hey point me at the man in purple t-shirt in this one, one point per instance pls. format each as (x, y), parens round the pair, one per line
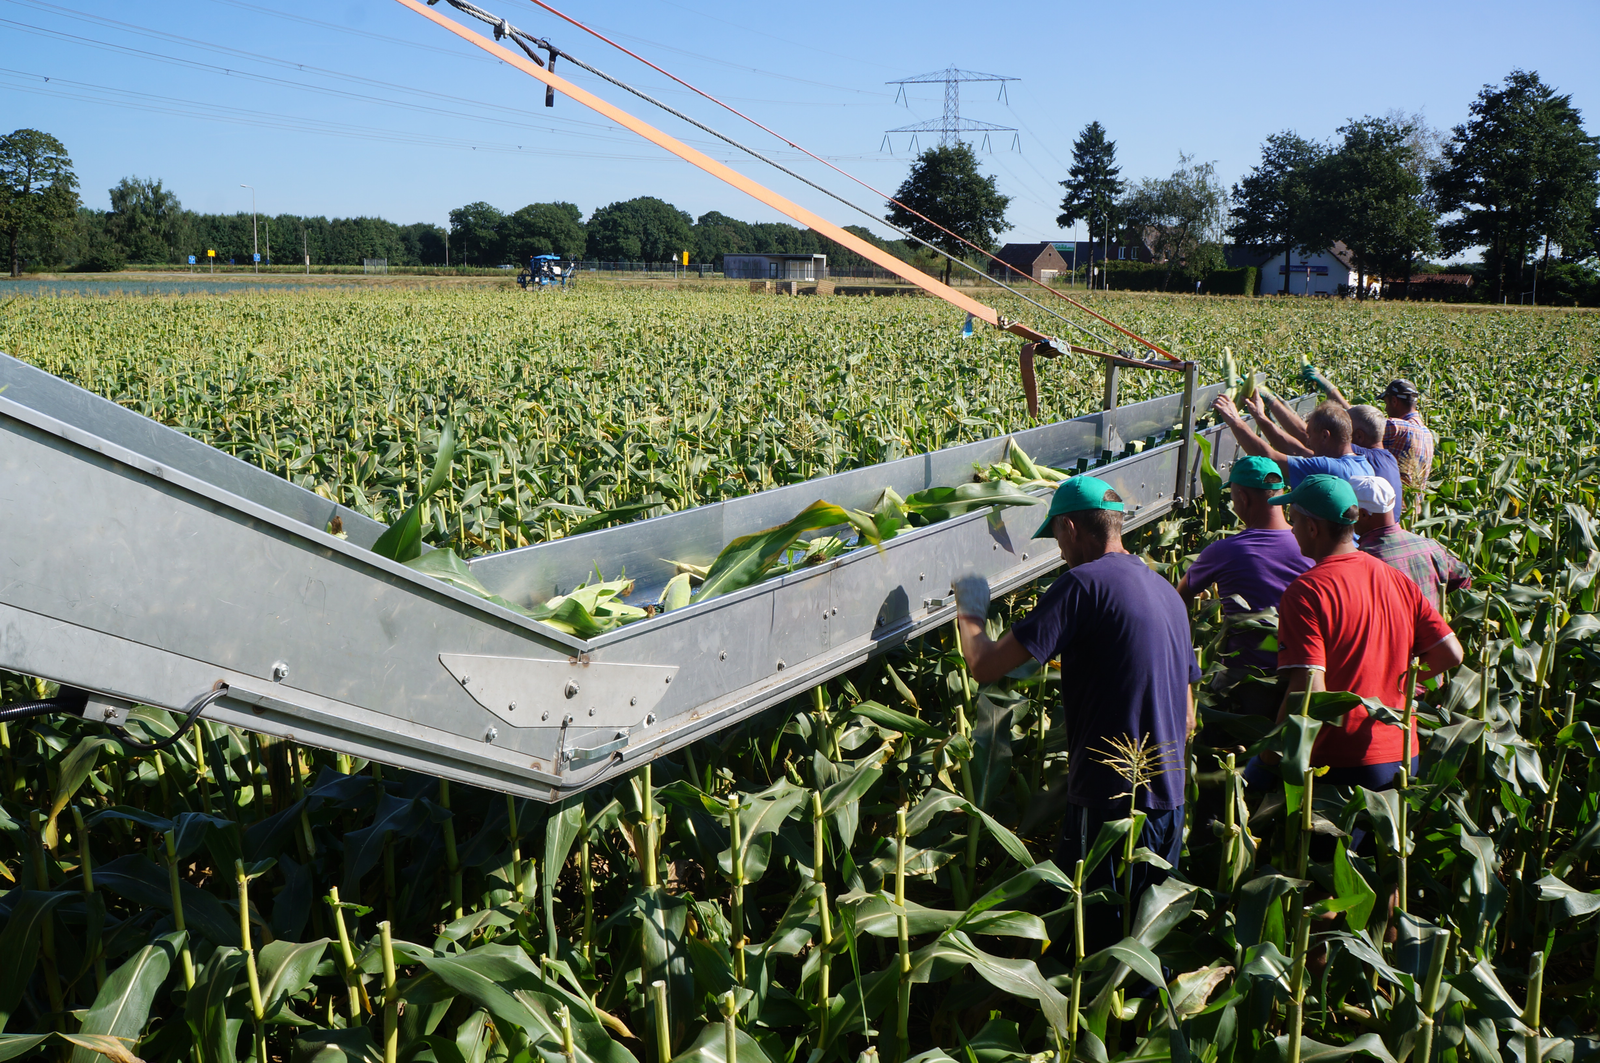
(1127, 665)
(1254, 565)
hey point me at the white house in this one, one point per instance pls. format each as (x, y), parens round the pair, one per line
(1331, 272)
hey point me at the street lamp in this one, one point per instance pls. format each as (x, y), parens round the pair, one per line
(255, 247)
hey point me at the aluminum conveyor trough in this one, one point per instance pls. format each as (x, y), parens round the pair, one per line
(146, 567)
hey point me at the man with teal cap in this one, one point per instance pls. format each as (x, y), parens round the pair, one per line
(1250, 570)
(1121, 634)
(1353, 623)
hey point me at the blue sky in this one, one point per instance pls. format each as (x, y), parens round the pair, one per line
(354, 107)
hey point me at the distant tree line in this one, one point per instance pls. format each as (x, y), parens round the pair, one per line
(43, 225)
(1519, 180)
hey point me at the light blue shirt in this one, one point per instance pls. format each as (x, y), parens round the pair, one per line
(1344, 468)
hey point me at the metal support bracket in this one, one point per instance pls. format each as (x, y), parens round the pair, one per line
(1185, 486)
(529, 692)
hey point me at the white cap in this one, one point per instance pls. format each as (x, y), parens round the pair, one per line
(1373, 494)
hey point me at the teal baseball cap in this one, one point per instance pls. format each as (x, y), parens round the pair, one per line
(1325, 497)
(1263, 474)
(1076, 495)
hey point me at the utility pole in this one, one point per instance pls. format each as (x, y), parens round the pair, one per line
(305, 249)
(255, 248)
(447, 248)
(269, 241)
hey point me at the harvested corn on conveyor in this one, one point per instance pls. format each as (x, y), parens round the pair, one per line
(147, 568)
(141, 567)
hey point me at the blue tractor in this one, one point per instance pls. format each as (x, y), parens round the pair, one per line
(542, 271)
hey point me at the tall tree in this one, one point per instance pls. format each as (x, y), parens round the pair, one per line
(945, 187)
(146, 220)
(38, 190)
(1369, 194)
(545, 229)
(1270, 207)
(475, 233)
(1177, 215)
(645, 229)
(1093, 185)
(1519, 171)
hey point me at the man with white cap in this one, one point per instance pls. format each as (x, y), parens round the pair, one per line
(1431, 567)
(1121, 634)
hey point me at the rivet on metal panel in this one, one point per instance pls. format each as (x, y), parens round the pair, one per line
(633, 701)
(567, 718)
(669, 679)
(1024, 557)
(649, 718)
(723, 656)
(545, 715)
(880, 621)
(780, 666)
(280, 671)
(835, 611)
(512, 707)
(591, 710)
(491, 734)
(922, 575)
(572, 688)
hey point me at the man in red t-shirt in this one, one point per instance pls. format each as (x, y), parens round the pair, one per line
(1353, 623)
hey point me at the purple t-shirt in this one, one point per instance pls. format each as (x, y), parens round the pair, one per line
(1122, 635)
(1256, 564)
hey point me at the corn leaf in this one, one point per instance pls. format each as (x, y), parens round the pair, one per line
(403, 539)
(747, 560)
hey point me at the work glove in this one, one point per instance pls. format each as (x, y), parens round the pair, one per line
(1312, 378)
(972, 597)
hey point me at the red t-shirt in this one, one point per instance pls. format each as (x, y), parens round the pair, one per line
(1361, 621)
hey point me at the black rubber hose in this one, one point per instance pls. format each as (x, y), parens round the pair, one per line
(69, 700)
(191, 714)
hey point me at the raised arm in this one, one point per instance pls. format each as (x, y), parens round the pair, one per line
(1249, 442)
(1281, 436)
(1290, 421)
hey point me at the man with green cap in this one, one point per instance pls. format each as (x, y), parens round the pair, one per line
(1121, 634)
(1250, 571)
(1353, 623)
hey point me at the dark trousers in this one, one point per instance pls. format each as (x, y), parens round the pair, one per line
(1162, 835)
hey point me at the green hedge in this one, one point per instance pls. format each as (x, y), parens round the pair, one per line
(1149, 277)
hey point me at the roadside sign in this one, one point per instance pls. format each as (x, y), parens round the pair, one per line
(211, 254)
(256, 256)
(191, 260)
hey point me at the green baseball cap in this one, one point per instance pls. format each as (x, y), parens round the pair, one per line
(1325, 497)
(1263, 474)
(1076, 495)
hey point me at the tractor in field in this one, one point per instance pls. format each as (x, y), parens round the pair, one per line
(543, 271)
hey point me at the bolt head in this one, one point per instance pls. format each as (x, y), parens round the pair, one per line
(280, 671)
(571, 690)
(491, 734)
(511, 707)
(649, 718)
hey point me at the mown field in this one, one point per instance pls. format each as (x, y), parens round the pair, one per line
(866, 869)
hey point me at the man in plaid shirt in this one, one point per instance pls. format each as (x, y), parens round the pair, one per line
(1406, 437)
(1430, 566)
(1404, 434)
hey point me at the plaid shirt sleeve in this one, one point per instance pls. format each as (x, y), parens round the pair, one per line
(1431, 567)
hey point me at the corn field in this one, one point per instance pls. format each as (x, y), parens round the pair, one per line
(865, 873)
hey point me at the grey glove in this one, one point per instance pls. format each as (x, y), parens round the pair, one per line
(972, 597)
